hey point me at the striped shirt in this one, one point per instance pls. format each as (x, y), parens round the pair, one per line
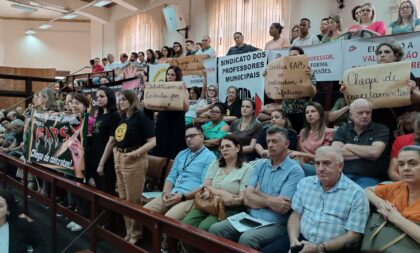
(326, 215)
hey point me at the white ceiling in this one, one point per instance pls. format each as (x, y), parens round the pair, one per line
(7, 11)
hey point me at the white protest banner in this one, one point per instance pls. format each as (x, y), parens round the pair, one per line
(243, 71)
(361, 52)
(165, 96)
(325, 60)
(288, 78)
(384, 85)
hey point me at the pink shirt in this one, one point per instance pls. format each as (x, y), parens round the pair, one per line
(277, 44)
(311, 143)
(377, 26)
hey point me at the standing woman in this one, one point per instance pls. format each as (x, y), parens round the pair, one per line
(103, 131)
(334, 29)
(295, 33)
(166, 54)
(247, 128)
(134, 138)
(151, 58)
(407, 19)
(170, 125)
(178, 50)
(367, 22)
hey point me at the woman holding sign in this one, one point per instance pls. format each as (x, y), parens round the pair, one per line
(134, 138)
(170, 125)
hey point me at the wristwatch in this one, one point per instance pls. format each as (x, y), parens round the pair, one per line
(183, 198)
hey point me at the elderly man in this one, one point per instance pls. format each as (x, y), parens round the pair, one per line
(240, 47)
(206, 50)
(270, 189)
(363, 143)
(187, 174)
(329, 210)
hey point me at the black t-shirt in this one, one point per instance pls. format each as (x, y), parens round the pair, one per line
(234, 109)
(104, 127)
(134, 131)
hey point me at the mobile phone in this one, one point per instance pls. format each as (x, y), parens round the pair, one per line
(296, 248)
(250, 223)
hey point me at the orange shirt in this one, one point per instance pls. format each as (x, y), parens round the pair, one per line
(397, 194)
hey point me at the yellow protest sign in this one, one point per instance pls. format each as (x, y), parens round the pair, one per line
(165, 96)
(384, 85)
(288, 78)
(190, 65)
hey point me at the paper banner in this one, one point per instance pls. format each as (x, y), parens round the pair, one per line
(288, 78)
(384, 85)
(165, 96)
(190, 65)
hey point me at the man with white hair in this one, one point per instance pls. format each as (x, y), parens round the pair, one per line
(329, 209)
(207, 50)
(363, 143)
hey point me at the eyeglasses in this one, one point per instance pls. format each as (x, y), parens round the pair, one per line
(405, 8)
(191, 136)
(212, 89)
(365, 10)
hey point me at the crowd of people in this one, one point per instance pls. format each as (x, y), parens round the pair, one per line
(309, 172)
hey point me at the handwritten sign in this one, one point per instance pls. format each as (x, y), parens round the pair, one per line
(288, 78)
(190, 65)
(165, 96)
(384, 85)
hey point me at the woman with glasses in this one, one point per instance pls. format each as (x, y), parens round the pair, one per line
(178, 50)
(216, 128)
(367, 23)
(278, 118)
(407, 20)
(227, 178)
(204, 104)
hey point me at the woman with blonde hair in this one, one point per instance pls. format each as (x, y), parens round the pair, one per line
(367, 23)
(334, 29)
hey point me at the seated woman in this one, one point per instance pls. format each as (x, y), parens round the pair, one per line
(17, 233)
(367, 23)
(205, 104)
(334, 29)
(226, 177)
(407, 20)
(278, 118)
(216, 128)
(233, 105)
(191, 114)
(399, 202)
(247, 128)
(314, 134)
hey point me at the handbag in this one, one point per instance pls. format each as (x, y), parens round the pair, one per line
(213, 205)
(383, 236)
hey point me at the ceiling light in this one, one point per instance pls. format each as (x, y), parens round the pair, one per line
(70, 16)
(30, 32)
(24, 8)
(45, 26)
(102, 3)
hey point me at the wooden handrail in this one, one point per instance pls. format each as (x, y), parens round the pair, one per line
(154, 222)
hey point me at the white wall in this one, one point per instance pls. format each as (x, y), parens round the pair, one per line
(65, 46)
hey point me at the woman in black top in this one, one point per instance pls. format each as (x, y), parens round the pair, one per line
(103, 130)
(133, 139)
(233, 105)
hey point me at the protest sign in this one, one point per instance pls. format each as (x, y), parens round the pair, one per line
(190, 65)
(90, 92)
(157, 72)
(197, 80)
(243, 71)
(57, 141)
(165, 96)
(288, 78)
(384, 85)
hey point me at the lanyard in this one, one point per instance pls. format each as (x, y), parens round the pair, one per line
(193, 158)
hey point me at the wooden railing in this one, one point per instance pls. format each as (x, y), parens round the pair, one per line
(157, 224)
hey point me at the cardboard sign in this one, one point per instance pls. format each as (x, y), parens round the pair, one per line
(384, 85)
(165, 96)
(288, 78)
(190, 65)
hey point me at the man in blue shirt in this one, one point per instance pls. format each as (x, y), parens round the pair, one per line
(270, 189)
(187, 174)
(329, 210)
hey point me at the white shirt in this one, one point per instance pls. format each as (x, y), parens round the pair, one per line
(310, 39)
(4, 238)
(209, 51)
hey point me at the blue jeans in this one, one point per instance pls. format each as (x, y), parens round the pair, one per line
(364, 182)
